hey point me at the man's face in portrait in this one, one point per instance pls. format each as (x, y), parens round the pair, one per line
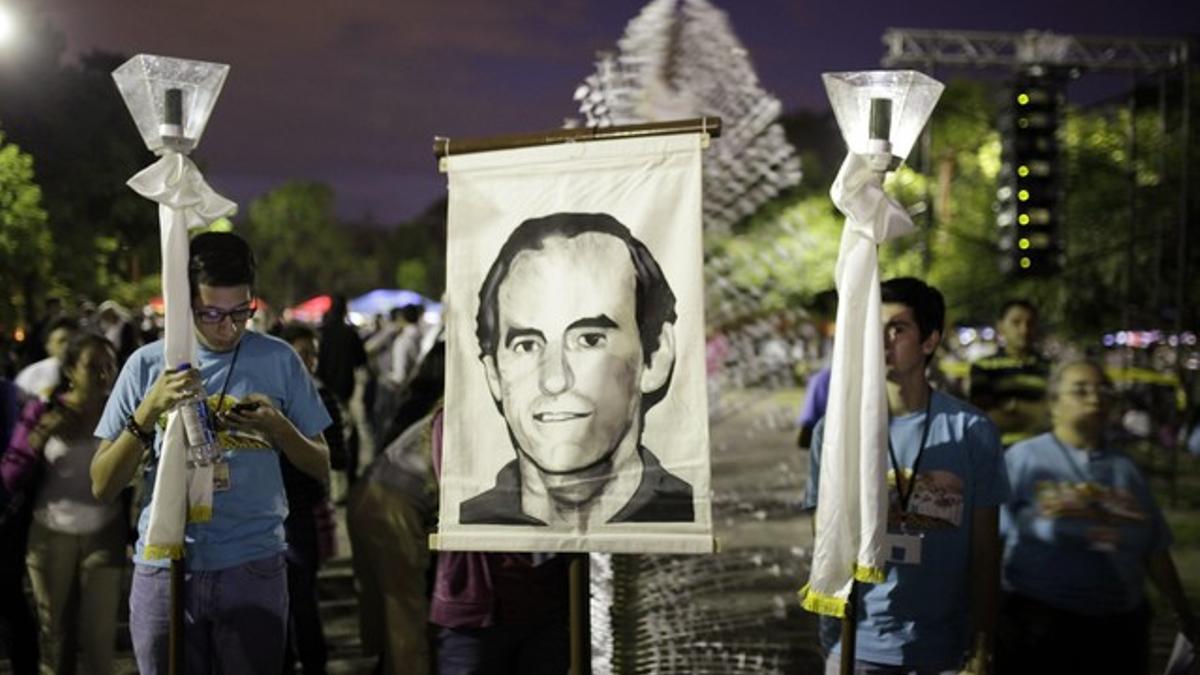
(568, 368)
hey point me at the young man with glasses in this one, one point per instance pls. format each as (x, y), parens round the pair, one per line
(256, 386)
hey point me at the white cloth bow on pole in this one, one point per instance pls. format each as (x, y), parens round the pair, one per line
(852, 503)
(184, 201)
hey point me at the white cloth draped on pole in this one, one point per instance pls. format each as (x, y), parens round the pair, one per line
(851, 517)
(185, 201)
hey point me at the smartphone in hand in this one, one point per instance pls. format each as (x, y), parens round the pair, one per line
(246, 406)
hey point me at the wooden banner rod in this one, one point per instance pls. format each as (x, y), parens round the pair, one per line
(444, 147)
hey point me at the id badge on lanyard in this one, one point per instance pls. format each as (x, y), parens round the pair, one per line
(903, 547)
(221, 477)
(903, 544)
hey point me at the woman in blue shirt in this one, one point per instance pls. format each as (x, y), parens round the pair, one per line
(1082, 532)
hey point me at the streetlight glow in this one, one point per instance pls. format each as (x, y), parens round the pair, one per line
(8, 25)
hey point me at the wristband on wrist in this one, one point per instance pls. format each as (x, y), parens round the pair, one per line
(146, 438)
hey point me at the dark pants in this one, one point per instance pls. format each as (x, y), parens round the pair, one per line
(1036, 638)
(542, 648)
(306, 636)
(19, 628)
(234, 619)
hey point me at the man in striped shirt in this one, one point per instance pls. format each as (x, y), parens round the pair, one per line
(1010, 386)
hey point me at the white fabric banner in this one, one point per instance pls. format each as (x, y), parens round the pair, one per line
(851, 517)
(185, 201)
(576, 413)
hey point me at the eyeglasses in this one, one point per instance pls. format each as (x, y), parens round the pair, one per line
(239, 315)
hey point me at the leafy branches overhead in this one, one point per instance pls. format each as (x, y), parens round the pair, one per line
(70, 119)
(1118, 230)
(300, 253)
(304, 250)
(25, 243)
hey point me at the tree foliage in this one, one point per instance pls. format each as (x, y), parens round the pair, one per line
(295, 238)
(304, 250)
(26, 246)
(70, 118)
(1119, 228)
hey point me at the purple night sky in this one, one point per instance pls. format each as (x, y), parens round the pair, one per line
(352, 93)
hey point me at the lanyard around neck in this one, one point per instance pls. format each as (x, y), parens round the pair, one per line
(229, 374)
(906, 495)
(1080, 472)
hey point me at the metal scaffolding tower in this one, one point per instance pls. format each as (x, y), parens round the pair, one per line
(1040, 52)
(1037, 52)
(982, 49)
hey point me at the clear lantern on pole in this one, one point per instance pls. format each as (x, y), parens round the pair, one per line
(881, 112)
(170, 99)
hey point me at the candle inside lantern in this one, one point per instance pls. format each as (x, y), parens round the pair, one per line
(172, 124)
(879, 133)
(881, 118)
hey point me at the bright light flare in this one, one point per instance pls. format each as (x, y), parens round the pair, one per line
(8, 25)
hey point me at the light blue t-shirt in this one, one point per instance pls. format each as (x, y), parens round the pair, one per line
(247, 522)
(1078, 527)
(920, 616)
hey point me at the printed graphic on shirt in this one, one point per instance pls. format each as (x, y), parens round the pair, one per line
(936, 502)
(1091, 501)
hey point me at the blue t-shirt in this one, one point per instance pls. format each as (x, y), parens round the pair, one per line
(1078, 527)
(920, 615)
(247, 520)
(816, 398)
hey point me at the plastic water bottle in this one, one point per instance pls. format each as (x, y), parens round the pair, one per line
(202, 445)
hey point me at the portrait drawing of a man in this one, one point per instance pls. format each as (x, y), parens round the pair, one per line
(576, 335)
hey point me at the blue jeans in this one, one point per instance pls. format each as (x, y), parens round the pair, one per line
(235, 620)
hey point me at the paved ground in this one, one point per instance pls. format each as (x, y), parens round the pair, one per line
(736, 611)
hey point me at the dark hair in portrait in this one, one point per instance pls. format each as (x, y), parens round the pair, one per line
(655, 300)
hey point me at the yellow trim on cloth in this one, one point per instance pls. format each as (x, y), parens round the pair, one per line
(200, 513)
(869, 575)
(829, 605)
(161, 552)
(819, 603)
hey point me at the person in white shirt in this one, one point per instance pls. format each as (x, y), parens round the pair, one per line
(39, 378)
(406, 349)
(76, 554)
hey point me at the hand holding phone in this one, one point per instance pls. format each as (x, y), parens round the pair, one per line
(246, 406)
(251, 417)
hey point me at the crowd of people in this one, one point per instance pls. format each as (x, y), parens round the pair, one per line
(83, 421)
(1020, 537)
